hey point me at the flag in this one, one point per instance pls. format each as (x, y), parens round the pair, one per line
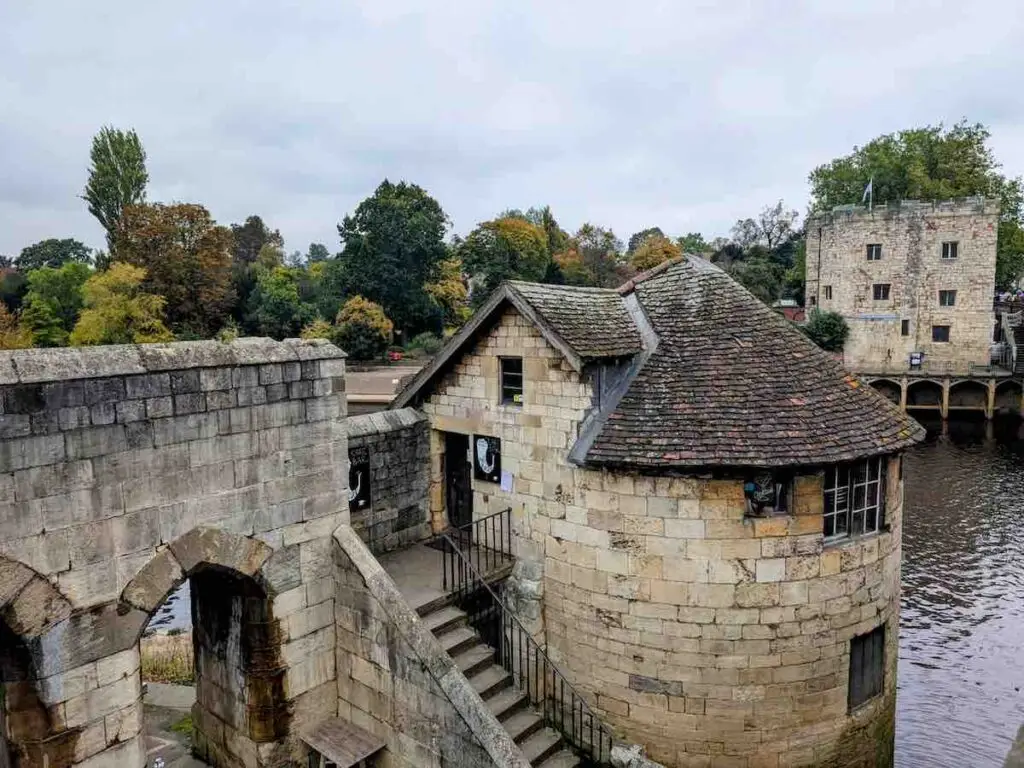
(869, 191)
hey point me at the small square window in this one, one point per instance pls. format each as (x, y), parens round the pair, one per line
(950, 249)
(813, 300)
(828, 292)
(904, 328)
(940, 333)
(880, 291)
(874, 251)
(512, 380)
(867, 667)
(947, 298)
(767, 494)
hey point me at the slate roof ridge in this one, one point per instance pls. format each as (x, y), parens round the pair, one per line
(583, 289)
(630, 285)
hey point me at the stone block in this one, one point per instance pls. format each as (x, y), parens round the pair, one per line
(209, 545)
(149, 385)
(771, 569)
(24, 452)
(96, 441)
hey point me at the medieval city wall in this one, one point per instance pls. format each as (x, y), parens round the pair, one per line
(694, 630)
(911, 236)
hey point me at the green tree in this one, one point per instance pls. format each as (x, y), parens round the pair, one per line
(693, 242)
(119, 311)
(593, 257)
(759, 275)
(637, 238)
(930, 163)
(53, 253)
(393, 244)
(248, 241)
(275, 306)
(362, 329)
(827, 329)
(317, 252)
(117, 177)
(508, 248)
(652, 251)
(187, 258)
(773, 226)
(53, 302)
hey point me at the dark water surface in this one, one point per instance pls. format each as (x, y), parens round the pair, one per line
(961, 668)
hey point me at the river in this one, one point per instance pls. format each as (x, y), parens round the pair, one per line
(961, 667)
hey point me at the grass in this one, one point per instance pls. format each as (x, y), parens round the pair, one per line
(168, 659)
(184, 725)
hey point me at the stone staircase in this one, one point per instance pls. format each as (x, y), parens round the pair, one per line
(1018, 339)
(542, 746)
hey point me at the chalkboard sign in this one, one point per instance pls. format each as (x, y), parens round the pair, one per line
(487, 458)
(359, 479)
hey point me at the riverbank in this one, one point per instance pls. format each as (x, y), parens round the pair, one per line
(168, 658)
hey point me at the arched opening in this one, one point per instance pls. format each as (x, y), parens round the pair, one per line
(968, 396)
(24, 720)
(1008, 397)
(924, 394)
(888, 388)
(228, 643)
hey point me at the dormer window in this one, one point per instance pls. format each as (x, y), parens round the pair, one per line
(511, 381)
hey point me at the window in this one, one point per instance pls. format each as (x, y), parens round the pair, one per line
(904, 328)
(512, 380)
(867, 667)
(767, 494)
(855, 498)
(880, 291)
(949, 249)
(828, 292)
(874, 251)
(814, 300)
(947, 298)
(940, 333)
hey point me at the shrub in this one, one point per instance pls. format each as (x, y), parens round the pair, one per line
(362, 329)
(318, 329)
(827, 329)
(426, 342)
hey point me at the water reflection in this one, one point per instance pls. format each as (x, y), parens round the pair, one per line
(961, 673)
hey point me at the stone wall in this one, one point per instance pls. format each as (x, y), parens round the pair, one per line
(710, 638)
(911, 236)
(396, 444)
(396, 681)
(124, 471)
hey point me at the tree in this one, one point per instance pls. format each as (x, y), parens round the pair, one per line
(637, 238)
(759, 275)
(187, 258)
(117, 177)
(275, 307)
(930, 163)
(12, 334)
(693, 242)
(448, 290)
(392, 246)
(119, 311)
(362, 329)
(827, 329)
(593, 257)
(652, 251)
(250, 238)
(53, 253)
(772, 227)
(317, 252)
(508, 248)
(53, 302)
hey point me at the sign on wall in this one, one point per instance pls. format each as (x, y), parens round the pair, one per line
(359, 478)
(487, 458)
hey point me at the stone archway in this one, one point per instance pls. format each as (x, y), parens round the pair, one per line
(1008, 396)
(968, 395)
(924, 393)
(888, 388)
(29, 734)
(241, 714)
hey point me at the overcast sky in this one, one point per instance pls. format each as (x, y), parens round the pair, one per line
(684, 115)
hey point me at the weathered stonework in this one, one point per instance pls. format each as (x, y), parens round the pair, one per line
(911, 234)
(124, 471)
(397, 444)
(711, 638)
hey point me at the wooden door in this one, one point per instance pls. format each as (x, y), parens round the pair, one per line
(458, 479)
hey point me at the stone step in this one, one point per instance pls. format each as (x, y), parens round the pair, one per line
(444, 619)
(474, 659)
(523, 724)
(563, 758)
(458, 639)
(507, 703)
(541, 745)
(490, 681)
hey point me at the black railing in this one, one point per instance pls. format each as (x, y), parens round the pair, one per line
(561, 706)
(486, 543)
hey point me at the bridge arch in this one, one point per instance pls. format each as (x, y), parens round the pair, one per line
(888, 388)
(1008, 396)
(924, 393)
(968, 395)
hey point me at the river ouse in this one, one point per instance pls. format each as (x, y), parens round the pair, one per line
(703, 543)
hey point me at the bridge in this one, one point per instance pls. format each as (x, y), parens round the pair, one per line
(945, 392)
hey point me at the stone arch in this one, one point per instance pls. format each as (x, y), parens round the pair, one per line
(29, 606)
(888, 388)
(241, 710)
(1008, 396)
(968, 395)
(924, 393)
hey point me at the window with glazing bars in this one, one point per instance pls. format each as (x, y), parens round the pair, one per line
(854, 498)
(512, 380)
(874, 251)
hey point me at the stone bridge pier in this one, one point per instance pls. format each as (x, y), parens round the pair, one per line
(125, 471)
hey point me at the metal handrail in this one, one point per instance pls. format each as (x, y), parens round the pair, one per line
(1010, 321)
(487, 540)
(562, 707)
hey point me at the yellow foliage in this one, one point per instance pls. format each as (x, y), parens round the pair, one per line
(653, 251)
(450, 292)
(12, 334)
(365, 312)
(318, 329)
(117, 311)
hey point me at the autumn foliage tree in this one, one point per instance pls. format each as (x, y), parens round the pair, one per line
(13, 335)
(508, 248)
(187, 259)
(119, 311)
(652, 251)
(362, 329)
